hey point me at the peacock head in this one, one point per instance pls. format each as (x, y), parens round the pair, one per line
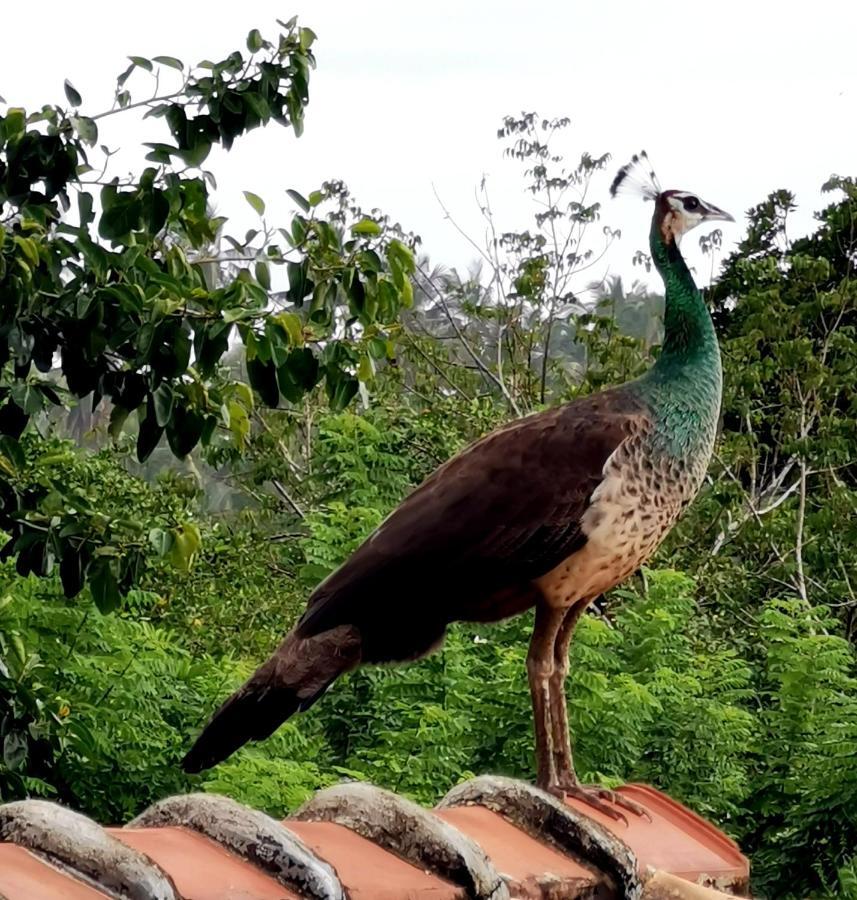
(676, 212)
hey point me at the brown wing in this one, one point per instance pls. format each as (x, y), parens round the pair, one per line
(501, 513)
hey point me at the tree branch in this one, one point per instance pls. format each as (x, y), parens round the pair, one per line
(280, 488)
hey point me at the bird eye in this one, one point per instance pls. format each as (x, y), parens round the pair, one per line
(691, 203)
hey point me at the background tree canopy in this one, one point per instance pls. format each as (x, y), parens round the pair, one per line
(198, 426)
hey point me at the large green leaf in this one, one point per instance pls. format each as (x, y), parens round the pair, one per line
(187, 542)
(184, 430)
(163, 402)
(104, 586)
(71, 94)
(263, 378)
(255, 201)
(72, 569)
(341, 388)
(150, 432)
(123, 217)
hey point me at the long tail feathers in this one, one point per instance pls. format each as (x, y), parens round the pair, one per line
(290, 681)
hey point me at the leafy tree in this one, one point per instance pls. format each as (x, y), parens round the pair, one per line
(807, 789)
(513, 321)
(784, 492)
(139, 308)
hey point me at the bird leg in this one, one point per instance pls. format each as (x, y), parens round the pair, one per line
(540, 665)
(566, 782)
(563, 762)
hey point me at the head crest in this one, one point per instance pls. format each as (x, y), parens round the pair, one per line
(637, 177)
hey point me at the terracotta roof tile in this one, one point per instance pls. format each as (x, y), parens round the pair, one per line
(551, 821)
(369, 873)
(676, 840)
(24, 875)
(489, 838)
(408, 831)
(530, 867)
(79, 845)
(202, 869)
(257, 838)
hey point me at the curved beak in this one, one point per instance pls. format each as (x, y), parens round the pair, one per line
(713, 213)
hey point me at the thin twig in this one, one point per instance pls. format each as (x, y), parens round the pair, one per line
(437, 368)
(466, 344)
(280, 488)
(139, 103)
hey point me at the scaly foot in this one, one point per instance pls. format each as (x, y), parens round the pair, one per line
(594, 795)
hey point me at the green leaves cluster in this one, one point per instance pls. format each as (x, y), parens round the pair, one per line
(783, 500)
(85, 518)
(95, 714)
(223, 100)
(138, 301)
(810, 721)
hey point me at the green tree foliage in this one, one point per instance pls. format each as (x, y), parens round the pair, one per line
(785, 491)
(807, 794)
(133, 294)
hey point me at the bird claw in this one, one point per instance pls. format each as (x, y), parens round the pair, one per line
(594, 795)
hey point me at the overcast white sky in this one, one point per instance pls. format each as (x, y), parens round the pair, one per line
(731, 99)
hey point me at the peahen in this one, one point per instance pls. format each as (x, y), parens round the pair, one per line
(549, 511)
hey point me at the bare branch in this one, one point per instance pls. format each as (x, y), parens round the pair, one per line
(437, 368)
(466, 344)
(280, 488)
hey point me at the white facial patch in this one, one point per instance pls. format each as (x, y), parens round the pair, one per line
(689, 211)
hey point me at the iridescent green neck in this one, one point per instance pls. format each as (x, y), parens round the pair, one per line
(684, 386)
(688, 330)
